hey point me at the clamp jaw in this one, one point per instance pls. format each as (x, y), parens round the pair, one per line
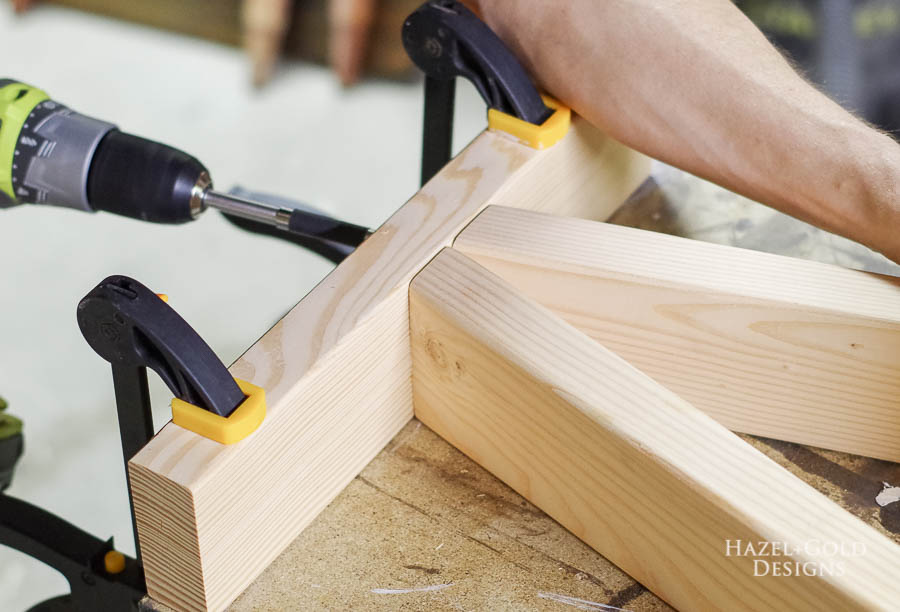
(134, 329)
(131, 327)
(446, 40)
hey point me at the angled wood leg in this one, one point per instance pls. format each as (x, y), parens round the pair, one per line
(765, 344)
(643, 477)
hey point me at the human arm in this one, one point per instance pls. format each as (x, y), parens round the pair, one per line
(695, 84)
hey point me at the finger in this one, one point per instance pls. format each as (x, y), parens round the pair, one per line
(20, 6)
(265, 24)
(349, 24)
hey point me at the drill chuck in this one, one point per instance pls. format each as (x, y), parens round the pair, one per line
(146, 180)
(50, 154)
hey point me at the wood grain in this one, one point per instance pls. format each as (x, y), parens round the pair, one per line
(606, 171)
(336, 371)
(765, 344)
(647, 480)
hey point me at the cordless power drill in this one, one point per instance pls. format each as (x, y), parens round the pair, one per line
(49, 154)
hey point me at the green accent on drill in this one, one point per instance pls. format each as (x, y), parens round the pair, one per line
(9, 425)
(16, 102)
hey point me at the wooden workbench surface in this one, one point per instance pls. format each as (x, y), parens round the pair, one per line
(425, 528)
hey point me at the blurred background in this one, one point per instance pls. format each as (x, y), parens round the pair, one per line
(260, 91)
(850, 48)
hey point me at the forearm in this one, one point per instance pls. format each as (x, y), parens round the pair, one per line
(695, 84)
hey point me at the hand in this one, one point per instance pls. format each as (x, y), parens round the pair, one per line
(265, 24)
(349, 24)
(20, 6)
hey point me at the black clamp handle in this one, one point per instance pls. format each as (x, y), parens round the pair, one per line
(446, 40)
(134, 329)
(100, 578)
(131, 327)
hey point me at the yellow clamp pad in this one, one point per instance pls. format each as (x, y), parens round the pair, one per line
(226, 430)
(535, 136)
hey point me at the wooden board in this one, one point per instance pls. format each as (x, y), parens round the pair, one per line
(336, 371)
(422, 514)
(765, 344)
(649, 481)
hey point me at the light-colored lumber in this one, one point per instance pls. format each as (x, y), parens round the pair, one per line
(605, 177)
(336, 371)
(765, 344)
(643, 477)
